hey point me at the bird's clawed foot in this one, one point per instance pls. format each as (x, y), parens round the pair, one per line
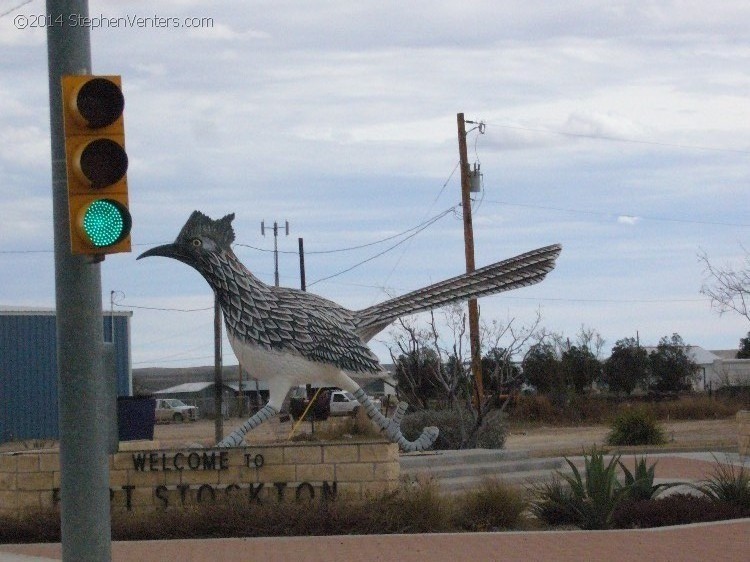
(392, 427)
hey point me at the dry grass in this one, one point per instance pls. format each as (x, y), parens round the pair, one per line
(602, 410)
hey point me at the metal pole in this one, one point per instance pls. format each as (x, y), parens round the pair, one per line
(476, 360)
(218, 382)
(275, 254)
(240, 396)
(302, 283)
(84, 425)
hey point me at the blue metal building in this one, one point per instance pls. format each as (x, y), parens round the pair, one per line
(28, 369)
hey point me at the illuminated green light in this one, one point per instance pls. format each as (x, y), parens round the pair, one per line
(106, 222)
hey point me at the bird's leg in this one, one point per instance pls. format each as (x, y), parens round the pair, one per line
(392, 427)
(235, 438)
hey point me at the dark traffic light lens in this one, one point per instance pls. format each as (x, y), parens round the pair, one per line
(100, 102)
(106, 222)
(103, 162)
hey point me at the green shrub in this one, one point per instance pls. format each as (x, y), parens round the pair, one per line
(492, 507)
(728, 484)
(635, 426)
(491, 435)
(449, 423)
(493, 432)
(677, 509)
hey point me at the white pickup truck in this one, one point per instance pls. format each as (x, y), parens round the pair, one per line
(172, 409)
(343, 403)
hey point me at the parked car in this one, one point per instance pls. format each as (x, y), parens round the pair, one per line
(172, 409)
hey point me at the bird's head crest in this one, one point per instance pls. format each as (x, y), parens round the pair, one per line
(200, 225)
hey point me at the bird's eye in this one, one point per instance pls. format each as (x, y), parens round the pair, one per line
(197, 242)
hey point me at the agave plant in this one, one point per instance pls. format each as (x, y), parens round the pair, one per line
(595, 496)
(639, 484)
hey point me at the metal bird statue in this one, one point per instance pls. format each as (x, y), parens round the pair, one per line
(289, 337)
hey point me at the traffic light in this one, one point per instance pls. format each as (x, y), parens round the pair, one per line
(96, 164)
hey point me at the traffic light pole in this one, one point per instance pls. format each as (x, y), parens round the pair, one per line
(84, 425)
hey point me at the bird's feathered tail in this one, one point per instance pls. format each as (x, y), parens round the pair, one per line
(526, 269)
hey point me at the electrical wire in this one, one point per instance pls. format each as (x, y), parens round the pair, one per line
(412, 235)
(613, 214)
(621, 139)
(350, 248)
(21, 5)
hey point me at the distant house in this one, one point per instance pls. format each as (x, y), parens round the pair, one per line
(716, 368)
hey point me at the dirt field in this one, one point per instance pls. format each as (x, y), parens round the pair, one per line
(542, 441)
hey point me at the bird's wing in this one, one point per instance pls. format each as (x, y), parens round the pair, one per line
(321, 330)
(520, 271)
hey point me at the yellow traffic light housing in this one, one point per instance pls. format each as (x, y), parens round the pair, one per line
(96, 164)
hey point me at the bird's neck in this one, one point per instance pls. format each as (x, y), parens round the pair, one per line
(236, 288)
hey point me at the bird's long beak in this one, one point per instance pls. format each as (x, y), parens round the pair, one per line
(166, 250)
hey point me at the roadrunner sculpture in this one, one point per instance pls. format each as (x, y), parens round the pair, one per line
(288, 337)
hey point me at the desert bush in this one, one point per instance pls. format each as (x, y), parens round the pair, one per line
(677, 509)
(696, 407)
(410, 509)
(493, 432)
(456, 425)
(552, 502)
(449, 422)
(493, 506)
(602, 409)
(635, 426)
(728, 484)
(535, 409)
(41, 526)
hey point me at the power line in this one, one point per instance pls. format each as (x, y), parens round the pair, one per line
(21, 5)
(163, 309)
(412, 235)
(614, 214)
(621, 139)
(359, 247)
(613, 301)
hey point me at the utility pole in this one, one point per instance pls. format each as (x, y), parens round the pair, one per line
(275, 247)
(302, 283)
(476, 360)
(84, 422)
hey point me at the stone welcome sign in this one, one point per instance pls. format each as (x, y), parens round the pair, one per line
(175, 478)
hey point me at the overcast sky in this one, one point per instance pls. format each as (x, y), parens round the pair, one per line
(619, 129)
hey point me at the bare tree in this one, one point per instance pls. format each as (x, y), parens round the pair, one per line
(446, 336)
(727, 287)
(514, 341)
(415, 364)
